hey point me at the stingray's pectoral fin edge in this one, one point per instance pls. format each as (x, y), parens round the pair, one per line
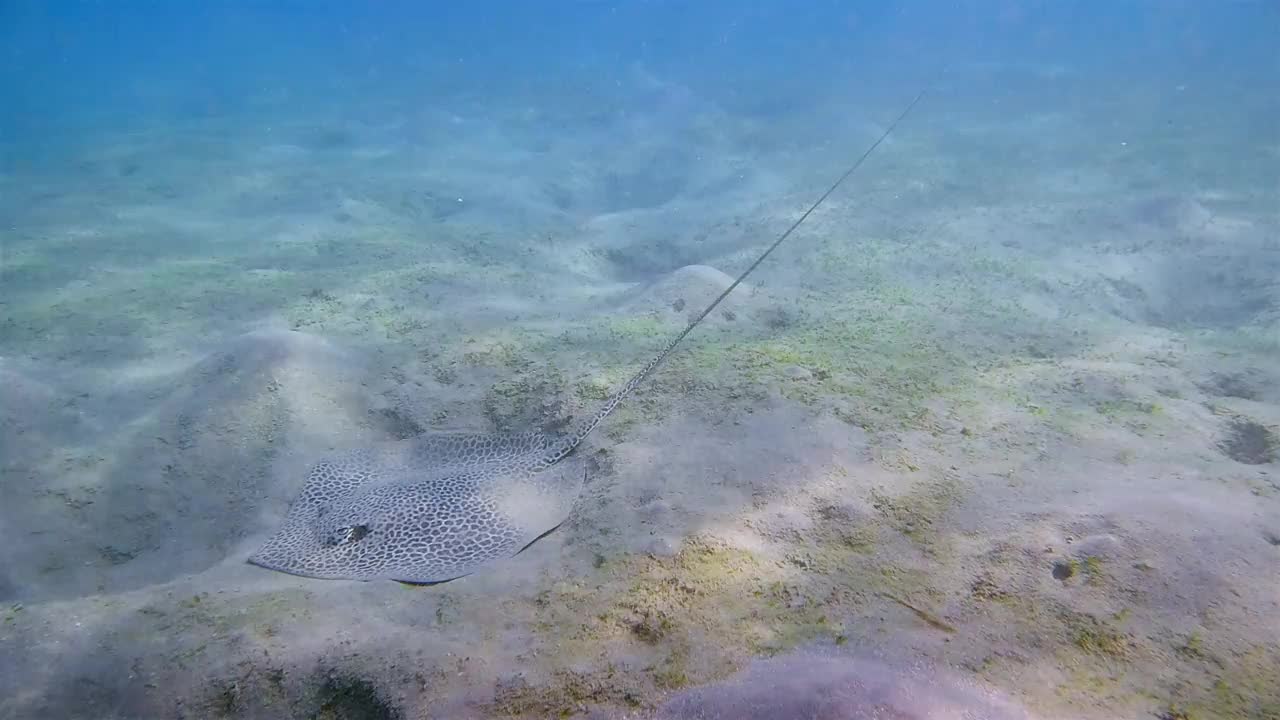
(429, 583)
(258, 562)
(531, 542)
(254, 560)
(553, 527)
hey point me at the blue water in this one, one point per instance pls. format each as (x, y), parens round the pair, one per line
(72, 63)
(236, 236)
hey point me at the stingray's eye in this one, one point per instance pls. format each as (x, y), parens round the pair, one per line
(347, 535)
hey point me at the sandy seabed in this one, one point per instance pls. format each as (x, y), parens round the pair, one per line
(994, 435)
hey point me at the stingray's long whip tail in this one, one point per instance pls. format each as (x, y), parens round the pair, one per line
(566, 445)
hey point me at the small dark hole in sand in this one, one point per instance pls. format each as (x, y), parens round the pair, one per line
(729, 315)
(352, 698)
(398, 425)
(835, 513)
(776, 318)
(599, 464)
(115, 556)
(1271, 538)
(678, 305)
(1236, 386)
(1062, 570)
(1250, 443)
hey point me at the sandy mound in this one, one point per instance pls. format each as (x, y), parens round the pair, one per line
(33, 416)
(1172, 213)
(170, 489)
(687, 474)
(1171, 262)
(682, 294)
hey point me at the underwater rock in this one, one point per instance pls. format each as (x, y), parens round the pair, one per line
(834, 686)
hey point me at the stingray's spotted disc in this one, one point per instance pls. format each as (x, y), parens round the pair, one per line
(425, 510)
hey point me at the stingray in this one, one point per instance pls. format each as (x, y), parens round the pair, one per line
(440, 506)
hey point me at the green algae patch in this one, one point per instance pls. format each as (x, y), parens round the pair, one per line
(885, 368)
(258, 614)
(684, 620)
(1109, 665)
(1238, 684)
(522, 401)
(122, 310)
(630, 328)
(567, 692)
(874, 354)
(348, 697)
(594, 389)
(323, 695)
(10, 615)
(705, 591)
(661, 615)
(1096, 636)
(236, 696)
(1093, 572)
(1139, 416)
(918, 512)
(672, 673)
